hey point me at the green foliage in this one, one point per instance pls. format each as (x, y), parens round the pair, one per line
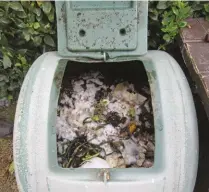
(167, 18)
(174, 20)
(27, 28)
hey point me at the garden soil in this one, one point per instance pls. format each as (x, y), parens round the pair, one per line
(7, 179)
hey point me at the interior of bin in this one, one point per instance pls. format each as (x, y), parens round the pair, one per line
(133, 143)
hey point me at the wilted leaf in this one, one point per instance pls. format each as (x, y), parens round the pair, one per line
(49, 41)
(95, 118)
(132, 112)
(12, 168)
(6, 62)
(16, 6)
(132, 127)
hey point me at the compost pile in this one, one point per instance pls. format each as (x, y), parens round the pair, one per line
(110, 121)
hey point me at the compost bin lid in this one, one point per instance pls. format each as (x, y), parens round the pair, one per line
(87, 28)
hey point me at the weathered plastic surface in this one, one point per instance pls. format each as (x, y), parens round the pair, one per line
(92, 28)
(176, 154)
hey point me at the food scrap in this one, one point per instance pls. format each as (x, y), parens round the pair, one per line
(96, 120)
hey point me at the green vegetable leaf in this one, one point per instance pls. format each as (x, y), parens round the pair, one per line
(36, 25)
(39, 3)
(37, 11)
(26, 35)
(46, 6)
(162, 5)
(4, 78)
(23, 60)
(13, 86)
(49, 41)
(22, 15)
(37, 40)
(51, 16)
(39, 18)
(182, 24)
(22, 51)
(206, 6)
(25, 4)
(2, 85)
(10, 97)
(3, 40)
(153, 16)
(166, 37)
(3, 91)
(6, 62)
(16, 6)
(18, 65)
(175, 10)
(4, 20)
(20, 23)
(2, 12)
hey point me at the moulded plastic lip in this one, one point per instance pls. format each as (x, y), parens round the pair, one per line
(176, 137)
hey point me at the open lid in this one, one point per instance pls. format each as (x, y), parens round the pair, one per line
(102, 29)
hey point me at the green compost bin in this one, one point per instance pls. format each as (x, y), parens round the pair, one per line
(176, 134)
